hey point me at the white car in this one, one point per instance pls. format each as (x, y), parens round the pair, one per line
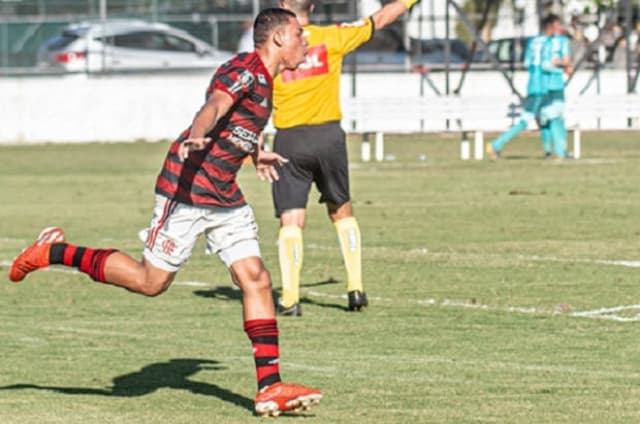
(127, 45)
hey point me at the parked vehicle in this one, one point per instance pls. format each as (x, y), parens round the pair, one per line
(505, 50)
(430, 54)
(386, 51)
(126, 45)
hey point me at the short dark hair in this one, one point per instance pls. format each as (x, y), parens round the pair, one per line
(550, 19)
(267, 21)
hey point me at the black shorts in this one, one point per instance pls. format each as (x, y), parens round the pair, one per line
(316, 153)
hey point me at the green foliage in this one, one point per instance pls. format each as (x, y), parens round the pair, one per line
(474, 10)
(473, 269)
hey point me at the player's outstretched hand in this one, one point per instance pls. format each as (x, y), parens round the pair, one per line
(266, 166)
(191, 144)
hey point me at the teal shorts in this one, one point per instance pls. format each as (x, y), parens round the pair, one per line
(532, 105)
(553, 107)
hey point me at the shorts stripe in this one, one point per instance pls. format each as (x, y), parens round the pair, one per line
(169, 207)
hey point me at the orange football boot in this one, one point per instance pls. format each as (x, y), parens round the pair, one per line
(35, 256)
(282, 397)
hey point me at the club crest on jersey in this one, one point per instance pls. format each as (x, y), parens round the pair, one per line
(316, 63)
(244, 80)
(262, 79)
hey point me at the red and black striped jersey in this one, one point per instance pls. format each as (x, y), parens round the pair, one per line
(208, 177)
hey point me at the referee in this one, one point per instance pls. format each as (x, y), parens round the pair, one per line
(307, 118)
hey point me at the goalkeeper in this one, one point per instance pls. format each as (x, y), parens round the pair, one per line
(307, 118)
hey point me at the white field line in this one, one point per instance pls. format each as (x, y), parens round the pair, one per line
(95, 332)
(601, 313)
(629, 264)
(624, 263)
(604, 313)
(12, 240)
(197, 284)
(611, 313)
(455, 303)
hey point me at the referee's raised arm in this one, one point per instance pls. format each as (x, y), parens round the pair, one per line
(390, 12)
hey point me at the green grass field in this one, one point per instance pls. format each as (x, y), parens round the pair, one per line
(492, 288)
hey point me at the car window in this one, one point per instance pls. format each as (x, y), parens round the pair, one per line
(385, 40)
(61, 41)
(149, 40)
(520, 49)
(493, 48)
(133, 40)
(177, 44)
(504, 51)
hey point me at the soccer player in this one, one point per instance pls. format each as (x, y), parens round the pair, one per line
(307, 118)
(197, 194)
(536, 88)
(556, 63)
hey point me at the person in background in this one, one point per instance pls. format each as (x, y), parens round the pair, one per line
(307, 118)
(556, 63)
(536, 89)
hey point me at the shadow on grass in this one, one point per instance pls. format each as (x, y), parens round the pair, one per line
(172, 374)
(516, 157)
(308, 301)
(221, 292)
(233, 293)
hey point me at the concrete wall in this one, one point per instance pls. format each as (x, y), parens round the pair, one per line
(77, 108)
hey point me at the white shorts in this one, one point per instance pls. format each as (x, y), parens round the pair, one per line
(232, 233)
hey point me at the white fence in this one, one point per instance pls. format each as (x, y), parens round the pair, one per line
(132, 107)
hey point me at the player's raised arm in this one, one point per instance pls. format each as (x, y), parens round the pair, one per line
(218, 104)
(390, 12)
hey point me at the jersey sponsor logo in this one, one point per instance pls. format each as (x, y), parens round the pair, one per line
(243, 139)
(244, 80)
(354, 24)
(317, 63)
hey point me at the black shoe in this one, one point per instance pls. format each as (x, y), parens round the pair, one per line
(547, 155)
(357, 300)
(292, 311)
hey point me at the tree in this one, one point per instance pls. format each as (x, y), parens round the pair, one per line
(482, 14)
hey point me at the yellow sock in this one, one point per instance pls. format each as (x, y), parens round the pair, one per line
(349, 238)
(290, 254)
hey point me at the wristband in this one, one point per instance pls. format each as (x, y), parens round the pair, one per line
(409, 3)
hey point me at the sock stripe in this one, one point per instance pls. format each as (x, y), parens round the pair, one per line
(264, 339)
(268, 380)
(86, 264)
(87, 260)
(69, 253)
(264, 361)
(78, 256)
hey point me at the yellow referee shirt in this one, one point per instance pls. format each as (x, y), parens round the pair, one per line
(310, 95)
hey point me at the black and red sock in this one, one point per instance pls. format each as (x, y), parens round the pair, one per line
(263, 334)
(89, 261)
